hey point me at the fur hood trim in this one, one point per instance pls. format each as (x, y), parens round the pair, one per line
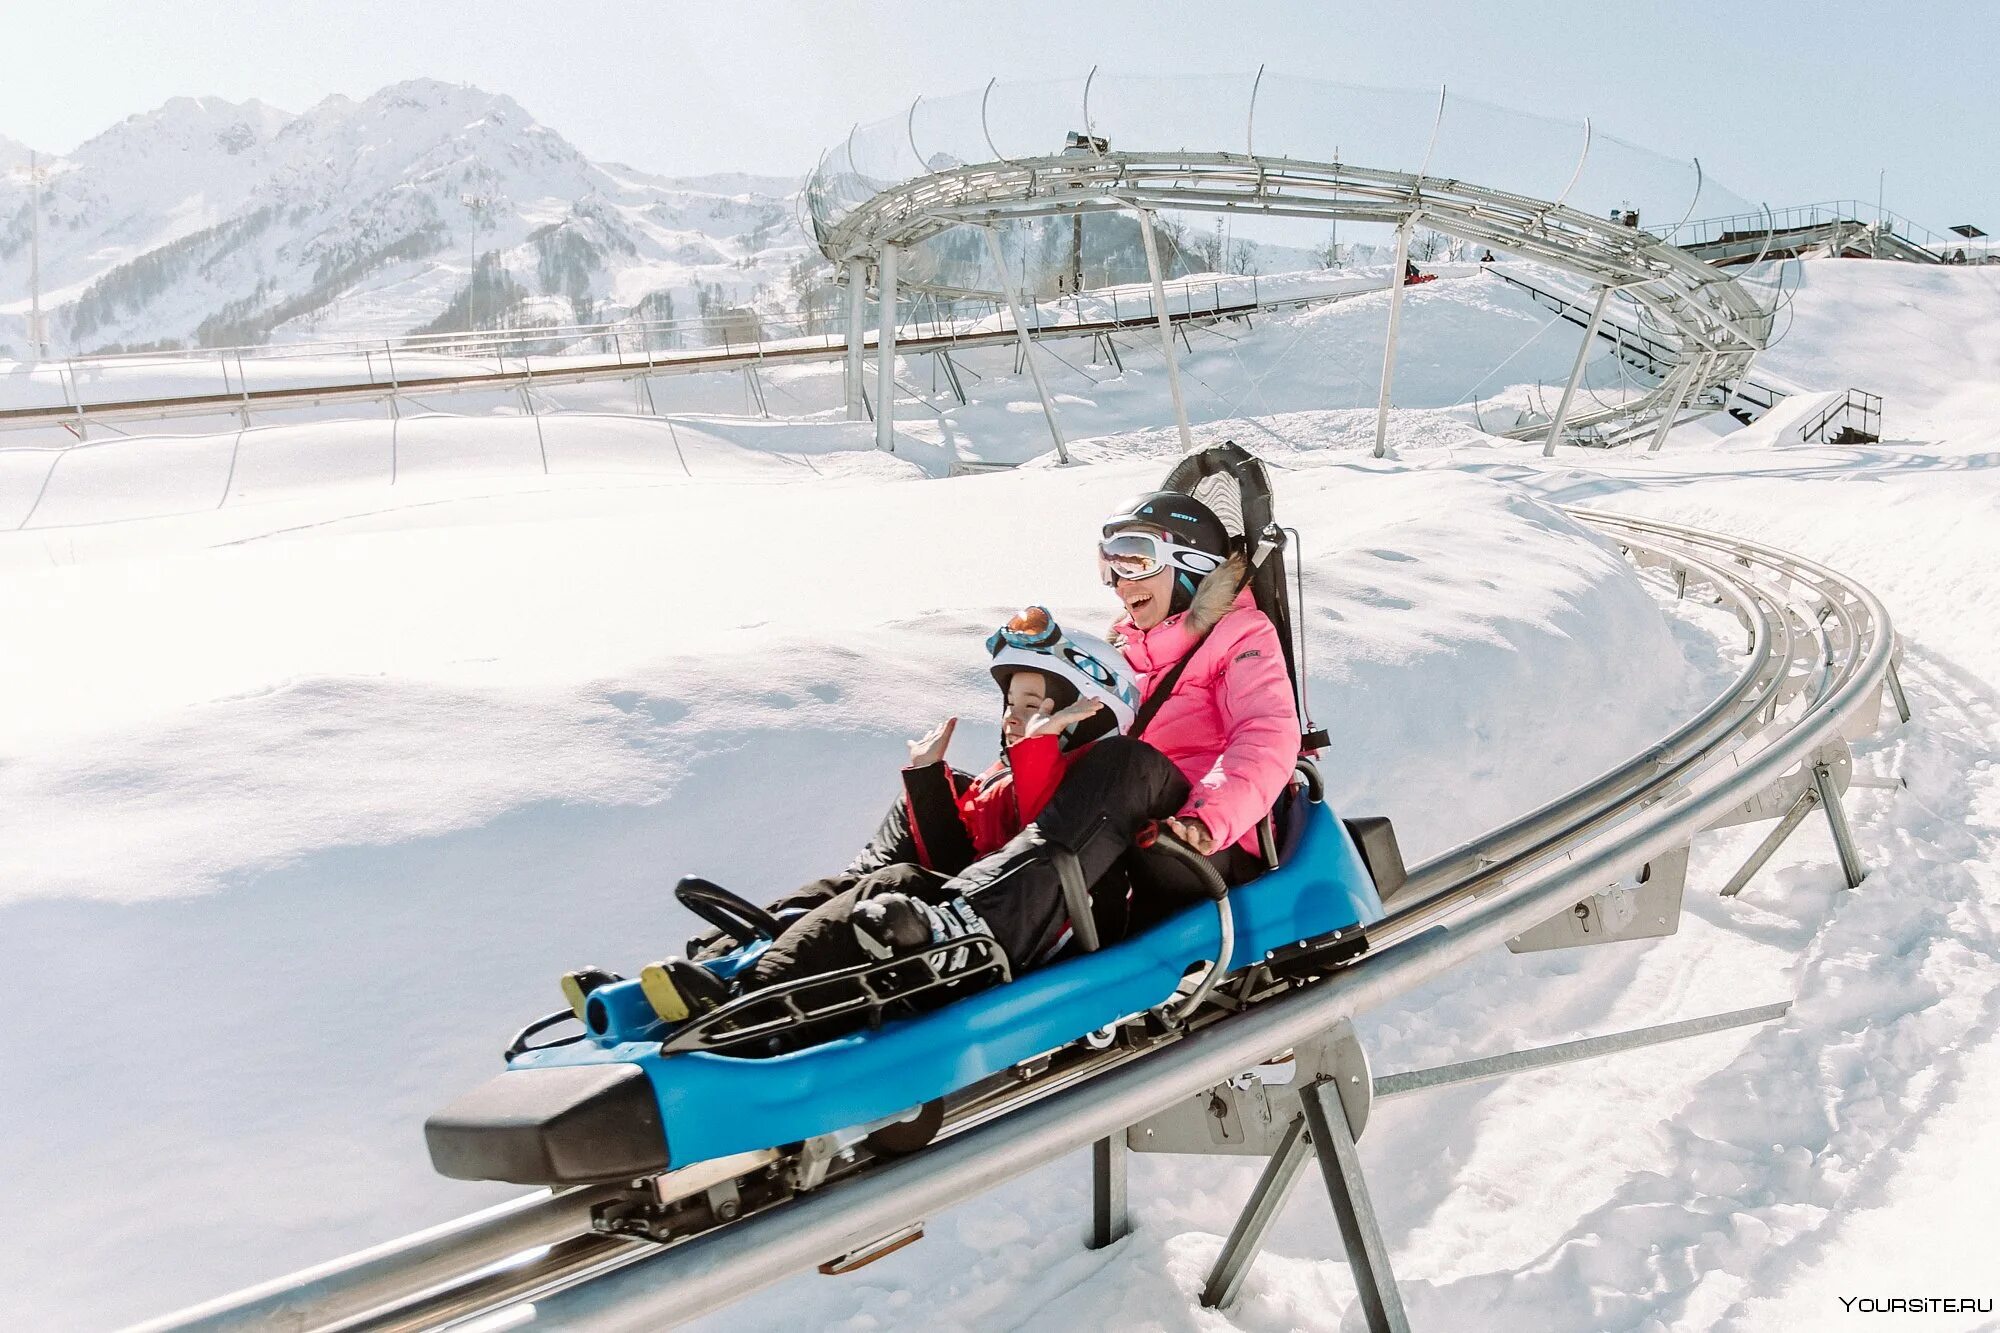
(1216, 594)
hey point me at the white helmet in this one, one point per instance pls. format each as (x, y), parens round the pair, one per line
(1075, 665)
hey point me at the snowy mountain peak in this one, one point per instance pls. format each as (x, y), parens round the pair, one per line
(186, 125)
(14, 155)
(218, 223)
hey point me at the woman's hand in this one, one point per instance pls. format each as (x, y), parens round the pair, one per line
(1194, 833)
(930, 747)
(1042, 723)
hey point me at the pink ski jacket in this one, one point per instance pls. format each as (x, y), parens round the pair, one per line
(1231, 725)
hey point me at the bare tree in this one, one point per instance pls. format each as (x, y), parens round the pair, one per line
(1327, 252)
(1175, 243)
(1206, 249)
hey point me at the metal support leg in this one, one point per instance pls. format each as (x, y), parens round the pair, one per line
(951, 377)
(1267, 1200)
(1166, 323)
(1108, 1220)
(857, 314)
(1340, 1166)
(1389, 347)
(1683, 380)
(1025, 344)
(1576, 373)
(1772, 841)
(885, 352)
(1836, 818)
(1896, 693)
(1568, 1052)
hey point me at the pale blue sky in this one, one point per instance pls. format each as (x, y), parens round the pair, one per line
(1785, 102)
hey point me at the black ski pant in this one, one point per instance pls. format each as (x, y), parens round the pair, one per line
(1113, 790)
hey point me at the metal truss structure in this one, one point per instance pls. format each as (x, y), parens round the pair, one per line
(1714, 325)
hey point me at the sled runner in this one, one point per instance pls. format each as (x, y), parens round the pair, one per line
(631, 1096)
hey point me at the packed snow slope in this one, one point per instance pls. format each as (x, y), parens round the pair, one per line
(1927, 338)
(335, 794)
(308, 797)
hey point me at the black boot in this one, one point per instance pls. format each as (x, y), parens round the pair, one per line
(892, 925)
(679, 990)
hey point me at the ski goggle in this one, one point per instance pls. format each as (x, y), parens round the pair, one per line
(1134, 553)
(1031, 627)
(1131, 555)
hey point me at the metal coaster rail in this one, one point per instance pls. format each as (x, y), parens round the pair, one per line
(1820, 653)
(1187, 304)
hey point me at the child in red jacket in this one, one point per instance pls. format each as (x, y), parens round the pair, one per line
(1061, 691)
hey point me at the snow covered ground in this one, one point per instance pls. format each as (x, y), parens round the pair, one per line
(315, 782)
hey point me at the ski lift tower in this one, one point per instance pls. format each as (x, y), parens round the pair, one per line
(478, 208)
(38, 341)
(1076, 144)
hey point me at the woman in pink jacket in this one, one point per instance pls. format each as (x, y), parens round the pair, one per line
(1229, 723)
(1221, 738)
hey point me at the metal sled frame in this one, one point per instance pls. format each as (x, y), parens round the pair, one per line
(875, 988)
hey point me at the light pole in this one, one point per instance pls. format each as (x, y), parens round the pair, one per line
(38, 346)
(476, 207)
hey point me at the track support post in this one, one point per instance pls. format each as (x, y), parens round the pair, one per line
(1253, 1224)
(1166, 322)
(943, 360)
(1896, 691)
(1819, 785)
(1836, 819)
(885, 351)
(1109, 1221)
(1340, 1167)
(1025, 344)
(1328, 1108)
(1576, 373)
(857, 315)
(1678, 390)
(1396, 286)
(1772, 841)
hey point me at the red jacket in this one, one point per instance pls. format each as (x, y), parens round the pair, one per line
(955, 819)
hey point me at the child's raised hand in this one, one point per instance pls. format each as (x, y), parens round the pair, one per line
(1041, 724)
(930, 747)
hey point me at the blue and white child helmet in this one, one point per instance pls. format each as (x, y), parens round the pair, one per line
(1075, 666)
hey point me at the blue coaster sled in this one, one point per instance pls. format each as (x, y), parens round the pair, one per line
(622, 1103)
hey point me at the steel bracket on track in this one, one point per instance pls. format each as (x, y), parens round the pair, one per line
(1778, 799)
(1819, 783)
(1646, 906)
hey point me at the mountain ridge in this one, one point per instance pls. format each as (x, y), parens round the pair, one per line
(209, 222)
